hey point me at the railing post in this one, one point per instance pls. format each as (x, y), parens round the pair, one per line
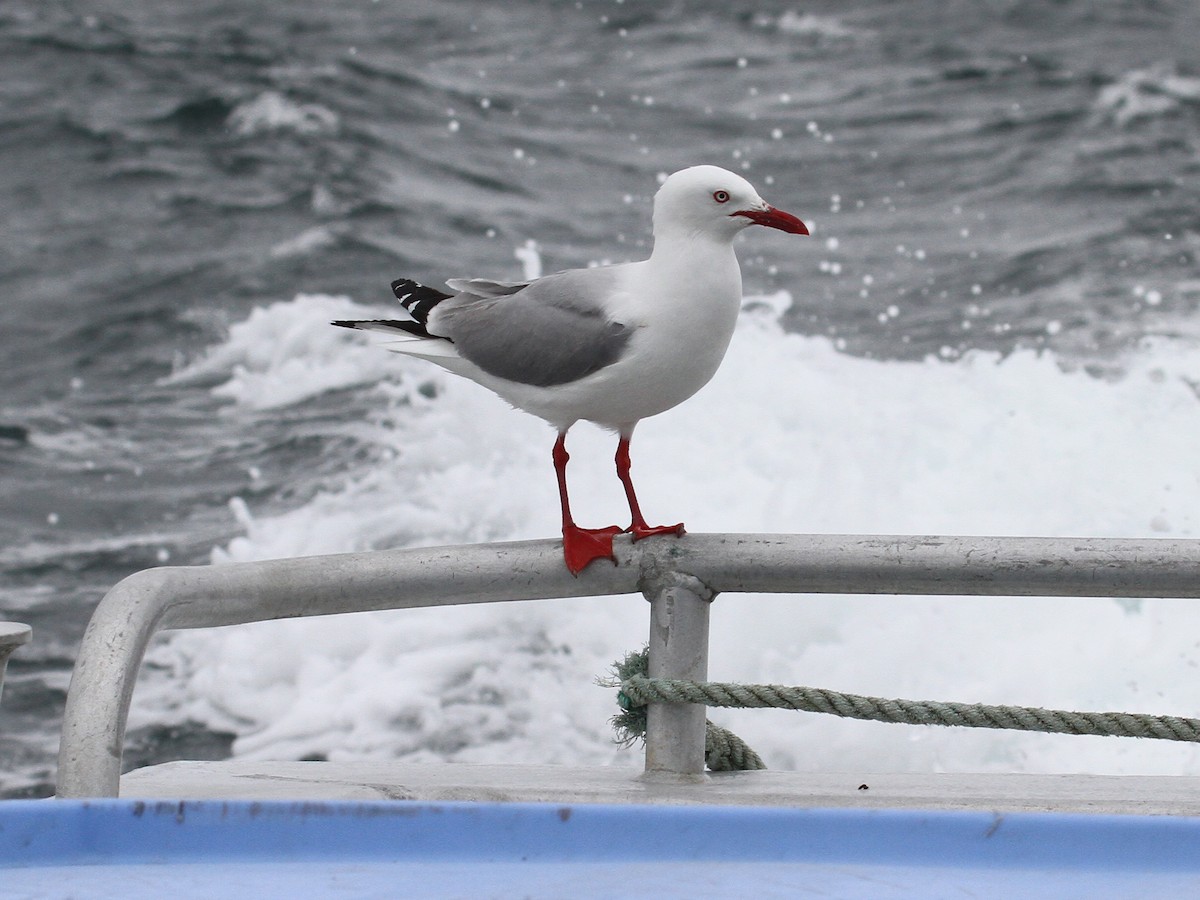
(679, 615)
(12, 636)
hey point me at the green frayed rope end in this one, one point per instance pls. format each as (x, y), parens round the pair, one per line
(630, 722)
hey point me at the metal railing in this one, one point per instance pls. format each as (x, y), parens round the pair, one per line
(12, 636)
(678, 576)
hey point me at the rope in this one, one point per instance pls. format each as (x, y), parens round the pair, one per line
(640, 689)
(725, 751)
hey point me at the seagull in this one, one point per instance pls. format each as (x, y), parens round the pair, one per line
(612, 344)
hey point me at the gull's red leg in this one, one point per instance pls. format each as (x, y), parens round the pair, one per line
(580, 545)
(638, 527)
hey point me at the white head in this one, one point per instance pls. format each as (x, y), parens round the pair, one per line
(708, 201)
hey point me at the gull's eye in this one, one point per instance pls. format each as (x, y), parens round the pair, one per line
(721, 196)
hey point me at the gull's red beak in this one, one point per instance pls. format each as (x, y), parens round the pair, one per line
(774, 218)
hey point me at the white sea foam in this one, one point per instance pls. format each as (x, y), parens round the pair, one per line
(809, 25)
(791, 436)
(319, 237)
(287, 352)
(272, 111)
(1146, 94)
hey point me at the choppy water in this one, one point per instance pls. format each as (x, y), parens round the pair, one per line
(992, 330)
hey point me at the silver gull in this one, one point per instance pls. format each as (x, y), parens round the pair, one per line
(610, 345)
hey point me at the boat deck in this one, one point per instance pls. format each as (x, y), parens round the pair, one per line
(328, 781)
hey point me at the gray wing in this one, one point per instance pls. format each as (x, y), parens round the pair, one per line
(551, 331)
(482, 287)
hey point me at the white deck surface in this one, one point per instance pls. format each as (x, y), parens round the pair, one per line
(252, 780)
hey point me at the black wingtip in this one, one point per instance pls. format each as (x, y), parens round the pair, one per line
(406, 326)
(417, 298)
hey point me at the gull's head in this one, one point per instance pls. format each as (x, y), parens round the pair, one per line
(708, 201)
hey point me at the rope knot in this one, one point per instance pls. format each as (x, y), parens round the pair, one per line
(724, 751)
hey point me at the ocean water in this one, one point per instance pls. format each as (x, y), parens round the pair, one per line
(991, 331)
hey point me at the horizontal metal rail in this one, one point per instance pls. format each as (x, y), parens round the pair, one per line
(679, 576)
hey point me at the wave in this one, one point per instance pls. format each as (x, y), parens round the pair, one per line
(1160, 90)
(815, 27)
(272, 111)
(287, 352)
